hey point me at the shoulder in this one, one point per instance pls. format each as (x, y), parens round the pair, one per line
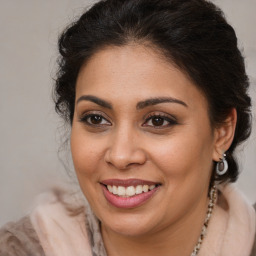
(61, 223)
(59, 219)
(239, 222)
(19, 239)
(56, 218)
(253, 253)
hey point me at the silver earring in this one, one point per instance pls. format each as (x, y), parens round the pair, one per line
(222, 166)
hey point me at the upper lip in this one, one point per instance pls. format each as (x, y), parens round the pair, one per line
(128, 182)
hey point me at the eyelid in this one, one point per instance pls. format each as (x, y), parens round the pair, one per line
(82, 118)
(167, 117)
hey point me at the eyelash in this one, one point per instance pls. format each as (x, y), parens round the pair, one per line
(165, 118)
(86, 117)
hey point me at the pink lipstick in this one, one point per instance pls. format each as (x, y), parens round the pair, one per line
(129, 193)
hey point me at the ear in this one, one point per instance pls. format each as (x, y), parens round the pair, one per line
(224, 134)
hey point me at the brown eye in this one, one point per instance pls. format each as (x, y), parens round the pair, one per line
(95, 119)
(157, 121)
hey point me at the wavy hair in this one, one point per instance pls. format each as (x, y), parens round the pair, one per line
(192, 34)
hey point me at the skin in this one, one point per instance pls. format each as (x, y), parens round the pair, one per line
(125, 144)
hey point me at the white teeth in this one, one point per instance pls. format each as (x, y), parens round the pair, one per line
(145, 188)
(121, 191)
(138, 189)
(110, 189)
(114, 190)
(129, 191)
(152, 187)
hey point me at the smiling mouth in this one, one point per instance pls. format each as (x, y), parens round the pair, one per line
(129, 188)
(129, 191)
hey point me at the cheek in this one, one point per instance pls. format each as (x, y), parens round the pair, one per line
(86, 160)
(85, 156)
(184, 154)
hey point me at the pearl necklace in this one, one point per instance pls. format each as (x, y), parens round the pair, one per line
(212, 201)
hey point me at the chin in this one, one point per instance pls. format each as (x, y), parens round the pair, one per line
(133, 224)
(129, 227)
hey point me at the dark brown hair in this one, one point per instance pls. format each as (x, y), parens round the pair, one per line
(192, 34)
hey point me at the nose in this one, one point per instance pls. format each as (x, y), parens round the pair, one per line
(124, 150)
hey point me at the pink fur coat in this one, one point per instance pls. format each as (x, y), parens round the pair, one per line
(63, 225)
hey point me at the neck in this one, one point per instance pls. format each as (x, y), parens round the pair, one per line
(177, 239)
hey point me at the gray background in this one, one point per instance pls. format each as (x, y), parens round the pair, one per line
(30, 131)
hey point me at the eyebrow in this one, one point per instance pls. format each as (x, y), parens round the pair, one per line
(95, 100)
(155, 101)
(139, 105)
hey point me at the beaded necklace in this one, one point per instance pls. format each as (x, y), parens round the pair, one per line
(212, 201)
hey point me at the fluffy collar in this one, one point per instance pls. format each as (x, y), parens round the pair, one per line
(232, 226)
(230, 233)
(60, 232)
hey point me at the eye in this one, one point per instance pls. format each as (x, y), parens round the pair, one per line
(94, 120)
(160, 121)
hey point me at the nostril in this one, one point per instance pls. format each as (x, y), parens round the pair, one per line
(124, 159)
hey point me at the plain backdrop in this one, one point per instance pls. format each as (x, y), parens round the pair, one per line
(30, 131)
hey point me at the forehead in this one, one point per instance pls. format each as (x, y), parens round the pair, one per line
(135, 72)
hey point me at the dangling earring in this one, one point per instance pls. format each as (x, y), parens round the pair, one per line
(222, 166)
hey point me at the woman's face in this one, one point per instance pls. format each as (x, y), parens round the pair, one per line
(141, 141)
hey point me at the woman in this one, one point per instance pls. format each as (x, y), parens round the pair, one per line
(156, 96)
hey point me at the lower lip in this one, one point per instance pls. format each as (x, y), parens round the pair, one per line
(128, 202)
